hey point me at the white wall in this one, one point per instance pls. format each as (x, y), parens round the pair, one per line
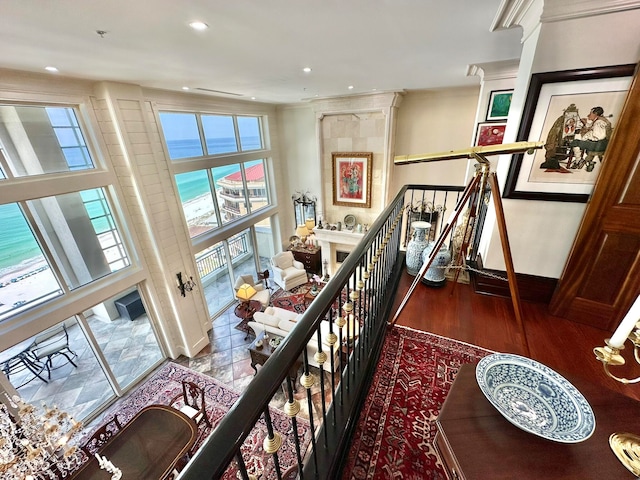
(429, 122)
(541, 233)
(301, 171)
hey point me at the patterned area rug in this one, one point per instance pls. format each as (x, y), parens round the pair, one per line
(167, 383)
(291, 299)
(393, 438)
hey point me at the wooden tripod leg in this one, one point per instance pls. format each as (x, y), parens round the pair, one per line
(473, 185)
(508, 260)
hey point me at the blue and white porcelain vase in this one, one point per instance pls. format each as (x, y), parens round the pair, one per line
(415, 247)
(435, 276)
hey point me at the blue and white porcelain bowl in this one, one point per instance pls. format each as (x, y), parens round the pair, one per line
(535, 398)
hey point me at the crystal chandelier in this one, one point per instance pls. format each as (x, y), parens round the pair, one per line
(34, 442)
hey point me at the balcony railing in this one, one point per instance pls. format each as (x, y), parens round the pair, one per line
(216, 260)
(363, 289)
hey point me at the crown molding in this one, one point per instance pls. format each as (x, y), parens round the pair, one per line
(494, 70)
(559, 10)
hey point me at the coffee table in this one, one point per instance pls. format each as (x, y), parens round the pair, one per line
(260, 354)
(309, 297)
(245, 311)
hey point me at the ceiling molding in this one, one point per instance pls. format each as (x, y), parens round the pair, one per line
(558, 11)
(522, 13)
(494, 70)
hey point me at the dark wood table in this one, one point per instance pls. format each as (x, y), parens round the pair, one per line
(260, 354)
(476, 442)
(245, 311)
(147, 447)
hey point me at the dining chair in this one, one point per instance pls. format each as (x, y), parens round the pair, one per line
(101, 437)
(51, 343)
(191, 402)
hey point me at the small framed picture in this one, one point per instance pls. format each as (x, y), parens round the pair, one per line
(499, 104)
(352, 179)
(490, 133)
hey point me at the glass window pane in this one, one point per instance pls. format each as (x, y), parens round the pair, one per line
(219, 134)
(256, 184)
(39, 140)
(249, 131)
(80, 231)
(230, 192)
(26, 278)
(265, 245)
(125, 336)
(197, 202)
(181, 134)
(214, 277)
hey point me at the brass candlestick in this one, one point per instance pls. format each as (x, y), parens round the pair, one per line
(625, 446)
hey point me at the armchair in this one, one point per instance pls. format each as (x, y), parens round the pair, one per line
(287, 271)
(263, 295)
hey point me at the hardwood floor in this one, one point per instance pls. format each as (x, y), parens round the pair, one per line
(455, 311)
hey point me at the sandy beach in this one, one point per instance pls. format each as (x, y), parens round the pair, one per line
(33, 279)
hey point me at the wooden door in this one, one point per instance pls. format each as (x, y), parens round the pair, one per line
(602, 275)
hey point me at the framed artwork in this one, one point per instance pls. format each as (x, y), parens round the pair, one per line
(490, 133)
(499, 104)
(575, 113)
(352, 179)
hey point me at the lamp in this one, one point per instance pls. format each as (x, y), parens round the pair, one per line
(184, 286)
(310, 223)
(302, 232)
(624, 445)
(245, 292)
(34, 443)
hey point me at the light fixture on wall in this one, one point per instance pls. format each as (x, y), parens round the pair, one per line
(185, 286)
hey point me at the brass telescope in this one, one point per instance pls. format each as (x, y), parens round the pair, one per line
(473, 152)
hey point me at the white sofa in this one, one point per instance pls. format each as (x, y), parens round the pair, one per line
(278, 321)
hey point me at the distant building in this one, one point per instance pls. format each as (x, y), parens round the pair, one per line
(231, 194)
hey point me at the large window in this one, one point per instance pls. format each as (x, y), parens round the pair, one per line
(53, 244)
(61, 242)
(38, 140)
(229, 190)
(222, 180)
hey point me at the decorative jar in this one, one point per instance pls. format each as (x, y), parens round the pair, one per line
(435, 276)
(416, 246)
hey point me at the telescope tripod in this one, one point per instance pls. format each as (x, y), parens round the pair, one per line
(474, 194)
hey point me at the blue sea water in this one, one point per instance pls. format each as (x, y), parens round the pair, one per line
(18, 244)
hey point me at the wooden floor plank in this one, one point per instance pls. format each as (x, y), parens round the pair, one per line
(490, 322)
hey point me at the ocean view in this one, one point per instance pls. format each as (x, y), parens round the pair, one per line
(18, 245)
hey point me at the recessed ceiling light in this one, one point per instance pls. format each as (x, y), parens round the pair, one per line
(185, 88)
(306, 69)
(51, 69)
(253, 98)
(199, 25)
(350, 87)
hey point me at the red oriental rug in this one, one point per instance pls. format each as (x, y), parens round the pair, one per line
(291, 299)
(396, 427)
(167, 383)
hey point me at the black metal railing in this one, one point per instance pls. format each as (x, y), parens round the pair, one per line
(345, 324)
(216, 260)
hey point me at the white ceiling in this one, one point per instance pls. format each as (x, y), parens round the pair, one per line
(258, 48)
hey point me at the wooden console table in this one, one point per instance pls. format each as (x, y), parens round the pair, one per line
(476, 442)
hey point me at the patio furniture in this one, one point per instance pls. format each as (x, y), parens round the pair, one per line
(52, 343)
